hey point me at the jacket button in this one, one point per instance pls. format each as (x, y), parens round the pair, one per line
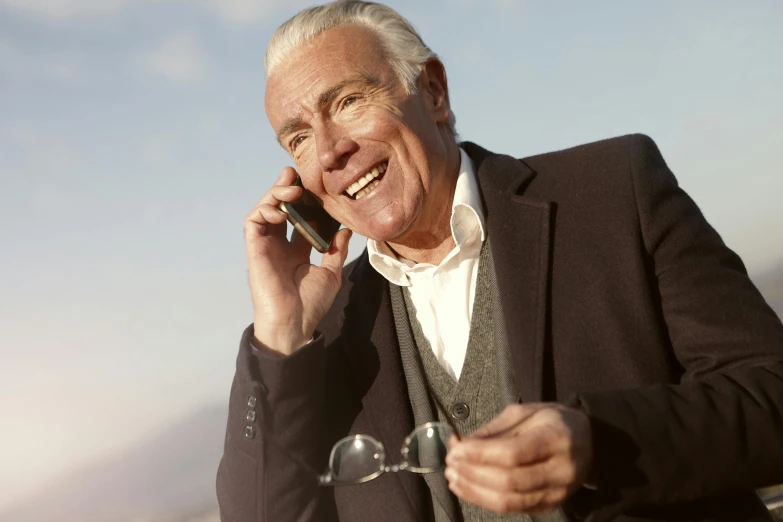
(460, 411)
(249, 432)
(251, 402)
(251, 415)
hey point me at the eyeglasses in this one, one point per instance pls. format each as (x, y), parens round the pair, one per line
(360, 458)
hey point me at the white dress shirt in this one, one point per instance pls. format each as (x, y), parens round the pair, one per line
(443, 295)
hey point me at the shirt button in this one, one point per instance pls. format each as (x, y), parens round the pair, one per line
(249, 432)
(460, 411)
(251, 415)
(251, 402)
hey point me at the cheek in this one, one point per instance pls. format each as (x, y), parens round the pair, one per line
(375, 120)
(308, 169)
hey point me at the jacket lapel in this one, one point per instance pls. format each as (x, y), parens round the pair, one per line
(371, 347)
(521, 243)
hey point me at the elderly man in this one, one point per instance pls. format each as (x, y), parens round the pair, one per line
(571, 317)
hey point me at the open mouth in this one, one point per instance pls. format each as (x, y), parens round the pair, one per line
(364, 185)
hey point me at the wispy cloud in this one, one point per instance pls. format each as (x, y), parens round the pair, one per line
(514, 6)
(233, 11)
(243, 11)
(249, 11)
(43, 153)
(179, 58)
(42, 167)
(68, 9)
(63, 67)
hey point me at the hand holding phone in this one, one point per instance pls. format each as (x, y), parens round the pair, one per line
(310, 219)
(291, 295)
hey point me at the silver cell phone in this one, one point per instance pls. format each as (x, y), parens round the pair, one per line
(311, 220)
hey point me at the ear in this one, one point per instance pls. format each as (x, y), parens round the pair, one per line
(433, 82)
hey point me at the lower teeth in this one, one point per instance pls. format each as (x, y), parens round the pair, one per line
(366, 190)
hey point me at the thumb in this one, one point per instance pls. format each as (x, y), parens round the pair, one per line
(511, 417)
(335, 258)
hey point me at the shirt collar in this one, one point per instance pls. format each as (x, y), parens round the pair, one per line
(467, 220)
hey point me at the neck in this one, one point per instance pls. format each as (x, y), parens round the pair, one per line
(430, 250)
(432, 243)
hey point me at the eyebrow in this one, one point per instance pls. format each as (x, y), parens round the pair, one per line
(324, 99)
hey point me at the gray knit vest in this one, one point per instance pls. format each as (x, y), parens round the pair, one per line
(485, 386)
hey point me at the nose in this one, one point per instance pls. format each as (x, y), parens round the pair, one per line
(333, 151)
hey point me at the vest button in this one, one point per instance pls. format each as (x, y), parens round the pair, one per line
(460, 411)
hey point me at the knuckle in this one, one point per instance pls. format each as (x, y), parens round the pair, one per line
(515, 455)
(555, 497)
(508, 482)
(505, 505)
(562, 440)
(536, 481)
(569, 472)
(514, 409)
(540, 446)
(532, 500)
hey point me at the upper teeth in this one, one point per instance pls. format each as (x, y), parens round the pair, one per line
(360, 183)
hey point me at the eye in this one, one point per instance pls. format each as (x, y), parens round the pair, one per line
(350, 100)
(297, 141)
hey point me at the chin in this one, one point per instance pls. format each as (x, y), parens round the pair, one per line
(383, 230)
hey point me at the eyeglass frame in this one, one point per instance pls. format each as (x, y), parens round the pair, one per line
(396, 467)
(327, 478)
(318, 476)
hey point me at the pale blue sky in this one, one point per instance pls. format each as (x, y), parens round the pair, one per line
(133, 140)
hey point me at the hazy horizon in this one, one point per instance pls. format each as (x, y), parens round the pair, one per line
(134, 140)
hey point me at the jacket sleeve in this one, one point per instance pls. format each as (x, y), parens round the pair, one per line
(719, 430)
(274, 445)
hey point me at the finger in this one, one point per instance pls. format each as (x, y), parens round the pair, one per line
(511, 416)
(300, 244)
(552, 473)
(279, 193)
(525, 448)
(335, 258)
(267, 211)
(287, 176)
(503, 502)
(264, 220)
(272, 215)
(285, 179)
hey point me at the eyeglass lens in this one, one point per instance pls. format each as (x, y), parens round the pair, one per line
(426, 448)
(361, 458)
(357, 459)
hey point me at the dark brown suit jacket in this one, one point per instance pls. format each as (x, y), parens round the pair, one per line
(618, 297)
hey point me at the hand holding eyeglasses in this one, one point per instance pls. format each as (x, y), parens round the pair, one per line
(528, 459)
(359, 458)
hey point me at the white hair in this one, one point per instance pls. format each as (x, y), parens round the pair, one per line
(405, 50)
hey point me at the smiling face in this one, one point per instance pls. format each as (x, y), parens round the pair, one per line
(381, 161)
